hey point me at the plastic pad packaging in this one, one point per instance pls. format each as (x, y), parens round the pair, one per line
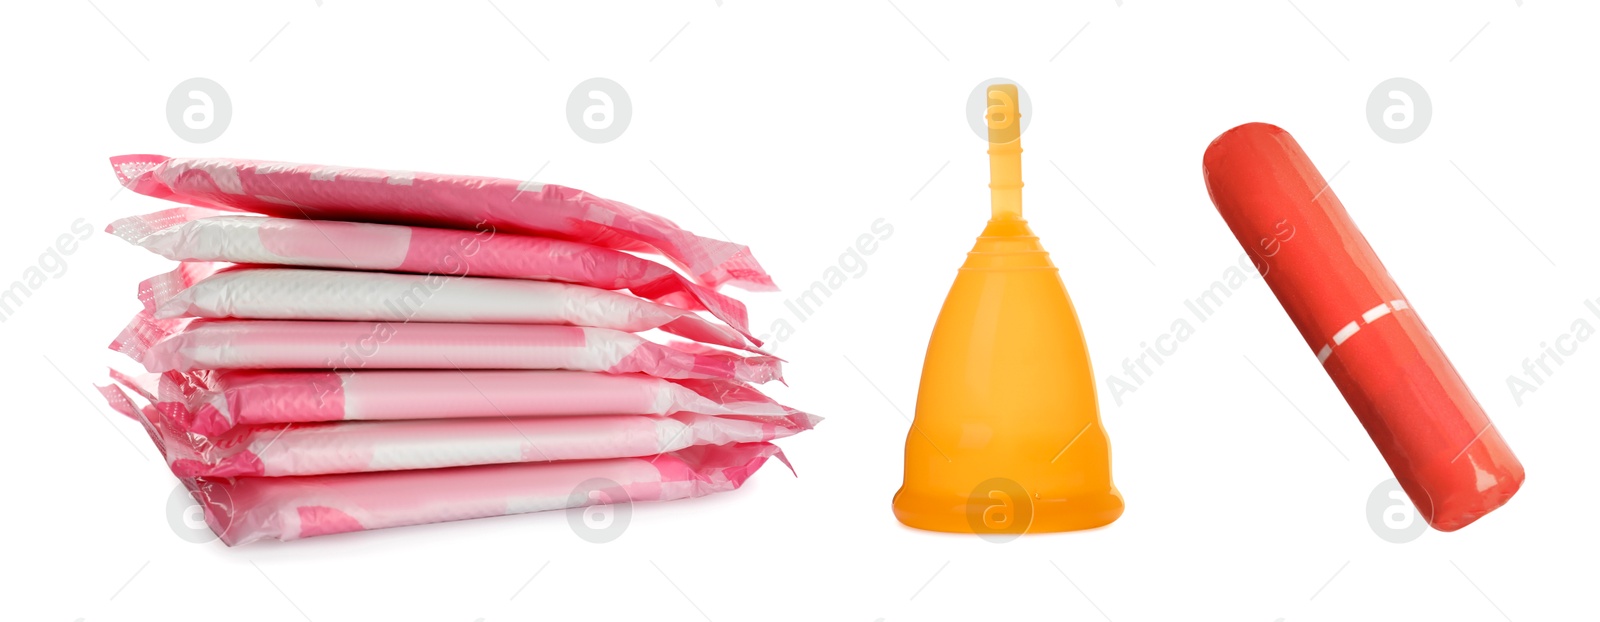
(247, 509)
(361, 446)
(210, 290)
(200, 234)
(183, 345)
(210, 402)
(426, 199)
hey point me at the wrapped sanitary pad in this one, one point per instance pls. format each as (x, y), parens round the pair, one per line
(183, 345)
(360, 446)
(200, 234)
(215, 291)
(210, 403)
(246, 509)
(453, 201)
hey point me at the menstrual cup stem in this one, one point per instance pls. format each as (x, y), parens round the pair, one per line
(1004, 118)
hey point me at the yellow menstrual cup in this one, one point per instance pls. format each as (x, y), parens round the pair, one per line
(1007, 437)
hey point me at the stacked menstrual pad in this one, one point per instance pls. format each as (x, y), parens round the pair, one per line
(348, 349)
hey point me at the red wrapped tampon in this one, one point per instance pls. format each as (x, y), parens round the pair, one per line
(1443, 449)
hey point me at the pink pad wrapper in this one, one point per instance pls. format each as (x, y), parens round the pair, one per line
(247, 509)
(454, 201)
(210, 402)
(200, 234)
(363, 446)
(210, 290)
(184, 345)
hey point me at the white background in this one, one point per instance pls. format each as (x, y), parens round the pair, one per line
(791, 127)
